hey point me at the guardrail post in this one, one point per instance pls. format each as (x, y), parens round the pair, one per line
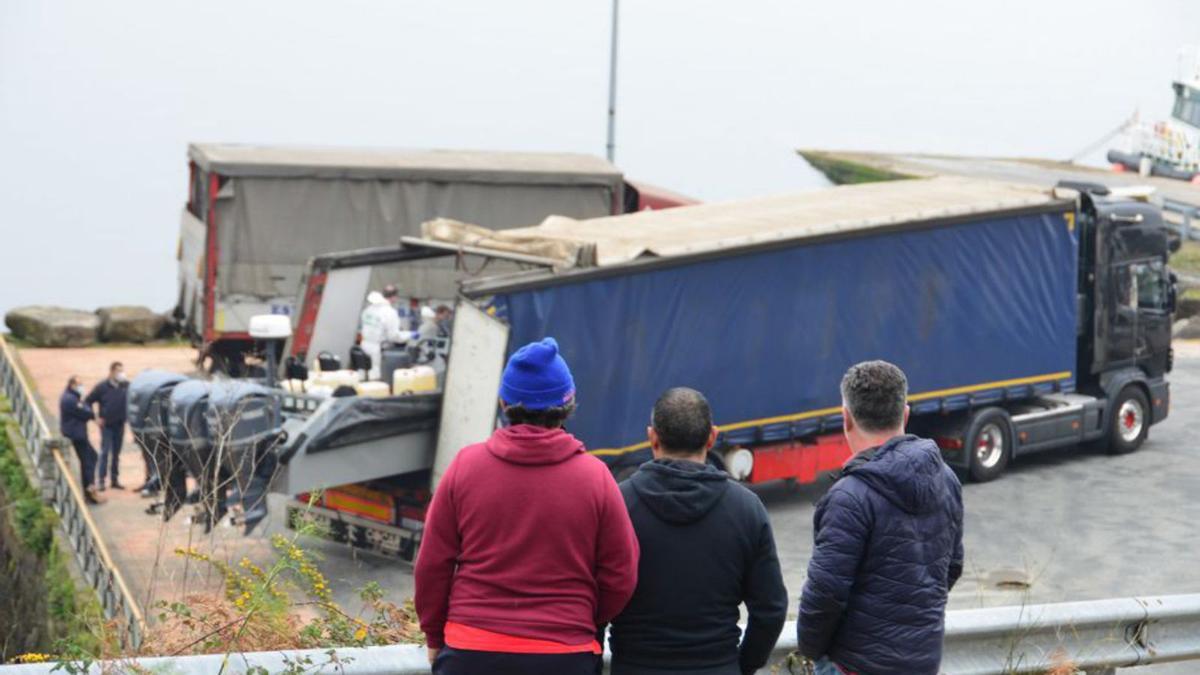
(44, 463)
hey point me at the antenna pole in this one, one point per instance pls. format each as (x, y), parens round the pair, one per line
(612, 89)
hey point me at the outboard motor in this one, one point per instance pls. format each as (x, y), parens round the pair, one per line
(148, 402)
(245, 423)
(187, 430)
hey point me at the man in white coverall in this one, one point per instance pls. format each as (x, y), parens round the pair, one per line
(379, 324)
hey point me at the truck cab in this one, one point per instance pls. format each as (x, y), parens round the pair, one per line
(1126, 288)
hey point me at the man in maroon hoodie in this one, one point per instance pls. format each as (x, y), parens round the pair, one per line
(527, 544)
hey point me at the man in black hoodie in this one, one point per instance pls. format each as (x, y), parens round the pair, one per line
(707, 547)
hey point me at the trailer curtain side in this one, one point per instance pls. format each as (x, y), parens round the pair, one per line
(274, 225)
(277, 207)
(974, 309)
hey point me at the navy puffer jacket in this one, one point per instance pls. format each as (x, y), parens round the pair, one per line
(888, 550)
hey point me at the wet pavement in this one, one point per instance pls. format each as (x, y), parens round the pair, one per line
(1062, 525)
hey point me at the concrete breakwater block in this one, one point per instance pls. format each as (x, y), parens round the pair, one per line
(47, 326)
(126, 323)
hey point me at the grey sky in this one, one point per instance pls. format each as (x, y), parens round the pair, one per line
(99, 99)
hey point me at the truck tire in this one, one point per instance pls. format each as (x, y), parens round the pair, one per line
(988, 443)
(1129, 423)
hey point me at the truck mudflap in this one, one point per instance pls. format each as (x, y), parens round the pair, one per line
(1160, 400)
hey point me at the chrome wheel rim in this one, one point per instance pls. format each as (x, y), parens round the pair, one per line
(1130, 420)
(989, 446)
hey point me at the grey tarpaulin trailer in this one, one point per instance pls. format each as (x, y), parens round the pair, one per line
(255, 215)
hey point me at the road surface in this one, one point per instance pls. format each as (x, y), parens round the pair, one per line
(1063, 525)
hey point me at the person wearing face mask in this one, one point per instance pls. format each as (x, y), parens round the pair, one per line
(110, 396)
(73, 417)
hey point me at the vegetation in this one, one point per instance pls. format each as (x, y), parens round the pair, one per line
(286, 605)
(843, 172)
(72, 616)
(1187, 259)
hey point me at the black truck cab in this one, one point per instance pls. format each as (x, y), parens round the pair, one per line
(1126, 288)
(1126, 299)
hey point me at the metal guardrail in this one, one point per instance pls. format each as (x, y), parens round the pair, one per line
(1187, 213)
(60, 489)
(1095, 637)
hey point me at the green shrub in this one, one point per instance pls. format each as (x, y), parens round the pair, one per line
(32, 520)
(73, 615)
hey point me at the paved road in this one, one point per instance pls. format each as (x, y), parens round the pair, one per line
(1065, 525)
(1071, 524)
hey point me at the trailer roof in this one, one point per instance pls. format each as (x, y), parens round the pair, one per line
(690, 230)
(359, 163)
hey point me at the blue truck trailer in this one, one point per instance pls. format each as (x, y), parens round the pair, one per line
(1025, 319)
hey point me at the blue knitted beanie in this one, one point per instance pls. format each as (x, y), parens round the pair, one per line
(537, 378)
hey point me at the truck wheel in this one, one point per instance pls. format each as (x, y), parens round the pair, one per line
(989, 444)
(1130, 421)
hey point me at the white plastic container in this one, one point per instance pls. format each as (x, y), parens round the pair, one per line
(374, 390)
(319, 391)
(335, 378)
(416, 380)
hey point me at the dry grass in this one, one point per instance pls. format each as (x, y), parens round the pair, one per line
(211, 624)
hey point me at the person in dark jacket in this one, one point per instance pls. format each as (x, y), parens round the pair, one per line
(527, 545)
(73, 417)
(707, 547)
(110, 396)
(888, 541)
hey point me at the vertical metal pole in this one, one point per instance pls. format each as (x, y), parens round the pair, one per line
(612, 89)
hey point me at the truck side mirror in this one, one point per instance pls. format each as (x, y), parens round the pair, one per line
(1172, 292)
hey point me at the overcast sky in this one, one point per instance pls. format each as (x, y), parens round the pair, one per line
(98, 100)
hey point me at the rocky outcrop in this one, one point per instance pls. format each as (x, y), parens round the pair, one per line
(1186, 329)
(125, 323)
(46, 326)
(1187, 307)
